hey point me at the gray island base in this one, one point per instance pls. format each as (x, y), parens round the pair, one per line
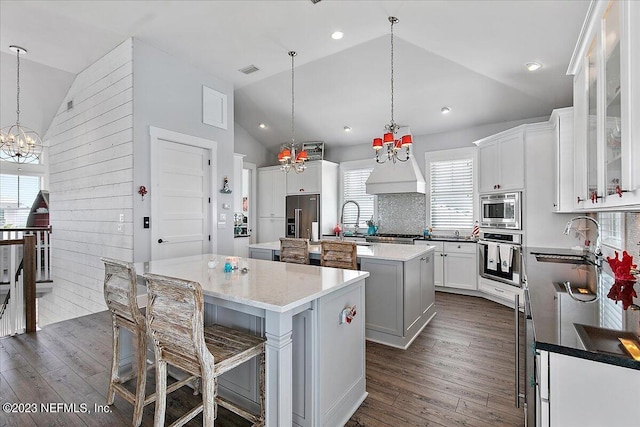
(400, 291)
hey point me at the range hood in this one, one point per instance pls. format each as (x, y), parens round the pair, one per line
(392, 178)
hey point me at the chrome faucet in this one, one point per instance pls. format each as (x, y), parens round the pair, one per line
(598, 249)
(342, 217)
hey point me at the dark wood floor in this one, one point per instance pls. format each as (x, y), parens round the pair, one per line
(458, 372)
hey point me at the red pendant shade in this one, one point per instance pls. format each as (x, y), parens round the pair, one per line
(406, 140)
(377, 143)
(388, 138)
(302, 156)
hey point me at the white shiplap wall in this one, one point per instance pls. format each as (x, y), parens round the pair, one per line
(91, 184)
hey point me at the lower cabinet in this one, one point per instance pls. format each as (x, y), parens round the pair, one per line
(455, 264)
(581, 392)
(400, 298)
(270, 229)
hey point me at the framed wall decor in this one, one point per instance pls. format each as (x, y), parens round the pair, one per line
(315, 150)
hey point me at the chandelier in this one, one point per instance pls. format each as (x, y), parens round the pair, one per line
(398, 149)
(290, 158)
(19, 143)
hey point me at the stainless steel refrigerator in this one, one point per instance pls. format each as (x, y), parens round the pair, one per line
(301, 212)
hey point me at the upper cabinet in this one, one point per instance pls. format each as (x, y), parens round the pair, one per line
(607, 107)
(562, 122)
(307, 182)
(501, 159)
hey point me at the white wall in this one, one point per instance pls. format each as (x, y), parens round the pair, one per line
(41, 89)
(254, 151)
(91, 174)
(168, 95)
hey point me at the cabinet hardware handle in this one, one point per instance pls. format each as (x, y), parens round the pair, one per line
(495, 187)
(498, 186)
(302, 189)
(459, 246)
(499, 290)
(162, 241)
(580, 200)
(516, 304)
(619, 191)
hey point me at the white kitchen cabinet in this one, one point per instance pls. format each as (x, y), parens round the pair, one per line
(241, 246)
(564, 197)
(605, 66)
(270, 229)
(455, 264)
(271, 204)
(501, 162)
(578, 392)
(236, 182)
(319, 177)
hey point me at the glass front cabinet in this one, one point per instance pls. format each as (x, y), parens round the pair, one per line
(606, 70)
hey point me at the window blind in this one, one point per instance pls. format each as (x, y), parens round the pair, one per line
(354, 188)
(452, 194)
(17, 194)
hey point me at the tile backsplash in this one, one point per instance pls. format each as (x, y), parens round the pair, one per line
(402, 213)
(632, 234)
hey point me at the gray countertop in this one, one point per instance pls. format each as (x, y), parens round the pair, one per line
(554, 313)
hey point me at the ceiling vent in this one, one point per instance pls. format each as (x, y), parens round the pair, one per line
(249, 69)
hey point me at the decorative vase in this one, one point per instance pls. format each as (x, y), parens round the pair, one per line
(372, 230)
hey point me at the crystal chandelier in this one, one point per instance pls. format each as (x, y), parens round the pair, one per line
(289, 157)
(19, 143)
(398, 149)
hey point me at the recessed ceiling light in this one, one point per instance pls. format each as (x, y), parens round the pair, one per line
(262, 126)
(533, 66)
(337, 35)
(445, 110)
(347, 129)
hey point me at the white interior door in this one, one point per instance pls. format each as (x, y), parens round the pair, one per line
(180, 209)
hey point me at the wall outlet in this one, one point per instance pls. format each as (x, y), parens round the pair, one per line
(120, 228)
(121, 217)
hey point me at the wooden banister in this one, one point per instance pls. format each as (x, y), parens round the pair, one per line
(29, 282)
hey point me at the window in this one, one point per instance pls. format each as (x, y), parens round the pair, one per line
(611, 228)
(17, 194)
(354, 178)
(451, 185)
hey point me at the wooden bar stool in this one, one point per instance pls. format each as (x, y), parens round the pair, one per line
(176, 327)
(339, 254)
(294, 250)
(120, 296)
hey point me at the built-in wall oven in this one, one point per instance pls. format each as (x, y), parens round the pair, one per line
(500, 257)
(501, 211)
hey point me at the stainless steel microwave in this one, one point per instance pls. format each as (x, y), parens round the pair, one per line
(501, 211)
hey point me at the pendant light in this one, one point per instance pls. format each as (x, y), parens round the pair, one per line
(19, 143)
(398, 148)
(288, 158)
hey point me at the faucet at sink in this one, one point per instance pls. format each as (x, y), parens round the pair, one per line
(357, 225)
(598, 249)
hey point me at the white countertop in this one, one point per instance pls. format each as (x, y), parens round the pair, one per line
(274, 286)
(388, 251)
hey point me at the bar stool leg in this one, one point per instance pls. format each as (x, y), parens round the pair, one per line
(115, 362)
(161, 392)
(141, 381)
(209, 386)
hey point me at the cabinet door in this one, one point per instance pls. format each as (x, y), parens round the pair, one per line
(488, 159)
(278, 193)
(265, 196)
(460, 270)
(307, 182)
(384, 296)
(511, 162)
(427, 290)
(270, 229)
(412, 293)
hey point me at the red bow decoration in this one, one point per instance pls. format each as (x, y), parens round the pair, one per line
(622, 289)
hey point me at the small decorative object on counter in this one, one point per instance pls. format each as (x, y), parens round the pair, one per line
(427, 232)
(475, 233)
(337, 229)
(225, 186)
(624, 270)
(212, 263)
(227, 267)
(372, 227)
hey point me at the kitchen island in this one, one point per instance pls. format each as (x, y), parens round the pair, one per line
(579, 377)
(315, 361)
(400, 291)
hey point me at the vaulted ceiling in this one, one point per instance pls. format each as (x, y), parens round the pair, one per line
(468, 55)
